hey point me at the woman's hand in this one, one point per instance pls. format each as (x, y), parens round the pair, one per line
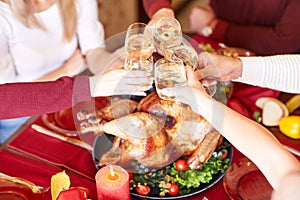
(214, 67)
(99, 60)
(121, 82)
(193, 92)
(161, 13)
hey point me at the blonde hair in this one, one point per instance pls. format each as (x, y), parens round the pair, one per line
(22, 9)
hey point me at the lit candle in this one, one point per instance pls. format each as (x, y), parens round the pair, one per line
(112, 183)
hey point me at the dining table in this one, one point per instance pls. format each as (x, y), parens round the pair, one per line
(36, 157)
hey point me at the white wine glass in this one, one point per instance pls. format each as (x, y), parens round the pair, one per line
(169, 74)
(188, 55)
(167, 33)
(185, 52)
(139, 47)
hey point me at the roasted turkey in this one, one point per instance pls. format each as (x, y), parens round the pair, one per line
(155, 132)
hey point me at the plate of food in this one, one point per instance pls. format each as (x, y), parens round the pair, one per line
(234, 51)
(243, 180)
(150, 137)
(17, 188)
(174, 181)
(63, 121)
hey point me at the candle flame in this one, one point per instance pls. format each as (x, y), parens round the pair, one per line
(111, 170)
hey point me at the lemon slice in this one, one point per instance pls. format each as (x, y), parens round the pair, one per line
(60, 181)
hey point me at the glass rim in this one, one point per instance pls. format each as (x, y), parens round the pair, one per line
(170, 18)
(165, 60)
(137, 23)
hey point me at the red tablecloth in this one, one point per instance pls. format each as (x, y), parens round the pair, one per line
(55, 151)
(38, 172)
(45, 156)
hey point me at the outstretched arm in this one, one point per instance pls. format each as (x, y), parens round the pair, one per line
(254, 141)
(280, 72)
(35, 98)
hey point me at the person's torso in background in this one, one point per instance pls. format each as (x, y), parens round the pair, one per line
(263, 12)
(35, 52)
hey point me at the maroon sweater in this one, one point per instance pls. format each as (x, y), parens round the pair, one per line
(35, 98)
(264, 26)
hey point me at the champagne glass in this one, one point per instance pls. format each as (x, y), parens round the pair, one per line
(169, 40)
(185, 52)
(167, 33)
(188, 55)
(169, 74)
(139, 63)
(139, 47)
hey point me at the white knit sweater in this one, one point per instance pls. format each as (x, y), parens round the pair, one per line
(280, 72)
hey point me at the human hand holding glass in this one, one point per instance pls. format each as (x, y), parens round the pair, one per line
(192, 93)
(167, 33)
(185, 52)
(169, 41)
(139, 48)
(161, 13)
(168, 74)
(121, 82)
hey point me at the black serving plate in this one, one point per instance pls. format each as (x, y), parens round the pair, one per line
(103, 143)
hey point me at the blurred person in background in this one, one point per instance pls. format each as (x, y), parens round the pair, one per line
(43, 40)
(262, 26)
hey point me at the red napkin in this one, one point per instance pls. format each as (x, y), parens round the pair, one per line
(39, 173)
(244, 97)
(55, 151)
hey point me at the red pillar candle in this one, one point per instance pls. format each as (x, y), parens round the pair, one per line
(112, 183)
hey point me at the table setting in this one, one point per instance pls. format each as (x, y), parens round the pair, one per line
(94, 155)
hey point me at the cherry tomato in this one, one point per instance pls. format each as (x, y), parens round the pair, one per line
(181, 165)
(223, 154)
(173, 190)
(142, 189)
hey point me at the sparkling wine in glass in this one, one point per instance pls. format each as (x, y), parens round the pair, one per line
(184, 52)
(169, 74)
(139, 47)
(167, 33)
